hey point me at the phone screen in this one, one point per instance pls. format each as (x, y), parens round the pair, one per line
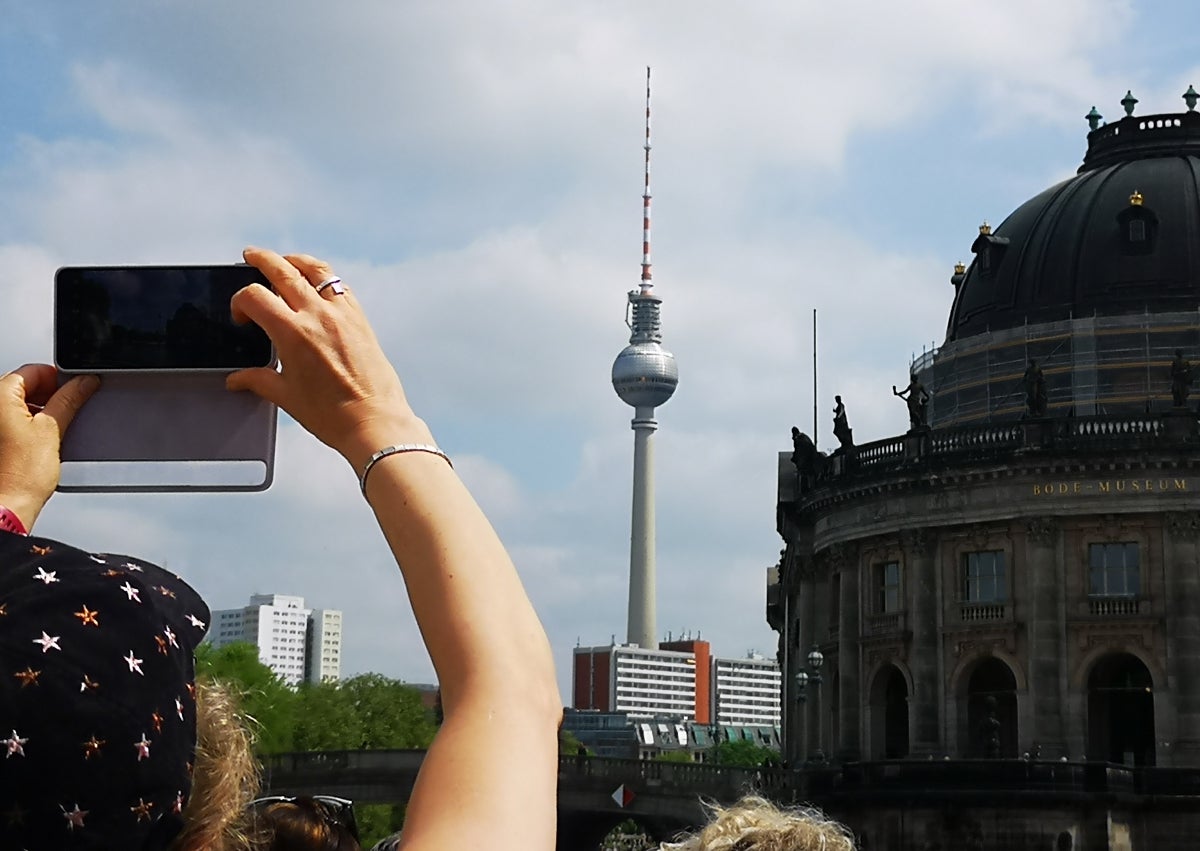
(154, 318)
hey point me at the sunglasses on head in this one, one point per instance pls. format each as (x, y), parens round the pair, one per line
(335, 811)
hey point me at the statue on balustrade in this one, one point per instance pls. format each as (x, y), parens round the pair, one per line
(841, 427)
(1181, 379)
(808, 461)
(1035, 390)
(917, 398)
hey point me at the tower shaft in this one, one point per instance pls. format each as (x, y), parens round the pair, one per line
(641, 625)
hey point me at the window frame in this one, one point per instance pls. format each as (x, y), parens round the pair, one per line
(971, 586)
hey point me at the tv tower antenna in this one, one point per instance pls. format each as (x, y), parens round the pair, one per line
(644, 376)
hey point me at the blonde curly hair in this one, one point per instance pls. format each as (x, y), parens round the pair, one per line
(226, 777)
(756, 824)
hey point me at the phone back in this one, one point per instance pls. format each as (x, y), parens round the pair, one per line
(169, 432)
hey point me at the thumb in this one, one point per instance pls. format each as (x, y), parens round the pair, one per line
(262, 381)
(68, 399)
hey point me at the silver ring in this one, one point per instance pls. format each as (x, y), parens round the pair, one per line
(334, 282)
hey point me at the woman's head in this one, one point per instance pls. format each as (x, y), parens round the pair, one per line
(755, 824)
(318, 823)
(97, 700)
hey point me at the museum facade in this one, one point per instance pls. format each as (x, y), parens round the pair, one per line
(1018, 575)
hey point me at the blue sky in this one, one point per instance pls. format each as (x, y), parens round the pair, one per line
(474, 170)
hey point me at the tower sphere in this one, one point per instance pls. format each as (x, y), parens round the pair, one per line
(645, 375)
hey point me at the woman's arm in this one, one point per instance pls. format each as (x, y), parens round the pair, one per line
(490, 776)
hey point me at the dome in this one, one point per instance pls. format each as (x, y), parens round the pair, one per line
(1122, 236)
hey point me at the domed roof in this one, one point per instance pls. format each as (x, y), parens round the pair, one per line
(1122, 236)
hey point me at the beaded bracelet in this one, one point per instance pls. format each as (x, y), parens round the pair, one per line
(396, 450)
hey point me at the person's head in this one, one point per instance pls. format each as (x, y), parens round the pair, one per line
(97, 698)
(318, 823)
(756, 824)
(837, 399)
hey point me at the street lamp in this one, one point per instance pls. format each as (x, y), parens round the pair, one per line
(805, 676)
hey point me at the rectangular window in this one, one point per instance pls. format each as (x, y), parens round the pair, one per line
(1114, 570)
(983, 579)
(887, 587)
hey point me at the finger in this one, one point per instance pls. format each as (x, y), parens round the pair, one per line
(317, 272)
(262, 381)
(68, 399)
(255, 303)
(284, 277)
(33, 382)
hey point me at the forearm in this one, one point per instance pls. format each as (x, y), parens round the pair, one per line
(478, 623)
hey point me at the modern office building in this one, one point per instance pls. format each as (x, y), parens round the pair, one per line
(297, 643)
(681, 681)
(745, 692)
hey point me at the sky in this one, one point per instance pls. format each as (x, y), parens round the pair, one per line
(474, 171)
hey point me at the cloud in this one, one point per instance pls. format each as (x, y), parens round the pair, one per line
(474, 171)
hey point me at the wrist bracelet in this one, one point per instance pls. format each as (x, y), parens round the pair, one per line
(10, 522)
(396, 450)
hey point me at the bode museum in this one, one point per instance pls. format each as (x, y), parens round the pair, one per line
(990, 624)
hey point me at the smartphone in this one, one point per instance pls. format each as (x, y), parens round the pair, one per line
(154, 318)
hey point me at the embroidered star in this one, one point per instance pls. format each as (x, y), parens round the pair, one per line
(196, 622)
(142, 810)
(3, 609)
(156, 721)
(134, 663)
(142, 748)
(131, 566)
(28, 677)
(45, 577)
(177, 807)
(179, 708)
(39, 551)
(162, 644)
(74, 817)
(112, 571)
(191, 687)
(92, 747)
(170, 636)
(131, 592)
(87, 683)
(48, 642)
(165, 591)
(87, 617)
(97, 559)
(15, 745)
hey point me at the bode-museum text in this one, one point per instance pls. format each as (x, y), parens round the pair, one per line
(1106, 486)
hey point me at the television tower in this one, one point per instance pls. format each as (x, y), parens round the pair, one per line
(644, 376)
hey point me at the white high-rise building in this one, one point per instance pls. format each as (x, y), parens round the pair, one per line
(323, 662)
(746, 692)
(288, 641)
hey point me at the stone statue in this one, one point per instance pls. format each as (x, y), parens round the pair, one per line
(809, 462)
(1035, 390)
(917, 398)
(841, 426)
(1181, 379)
(989, 730)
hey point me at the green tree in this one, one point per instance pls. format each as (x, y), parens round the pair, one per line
(265, 699)
(378, 821)
(326, 719)
(390, 713)
(674, 756)
(569, 744)
(745, 754)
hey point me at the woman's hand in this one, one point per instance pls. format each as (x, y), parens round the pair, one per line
(335, 380)
(34, 415)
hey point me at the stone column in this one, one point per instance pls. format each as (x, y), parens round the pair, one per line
(1045, 618)
(1181, 567)
(849, 747)
(924, 709)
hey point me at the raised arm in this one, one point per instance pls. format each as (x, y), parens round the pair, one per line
(489, 779)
